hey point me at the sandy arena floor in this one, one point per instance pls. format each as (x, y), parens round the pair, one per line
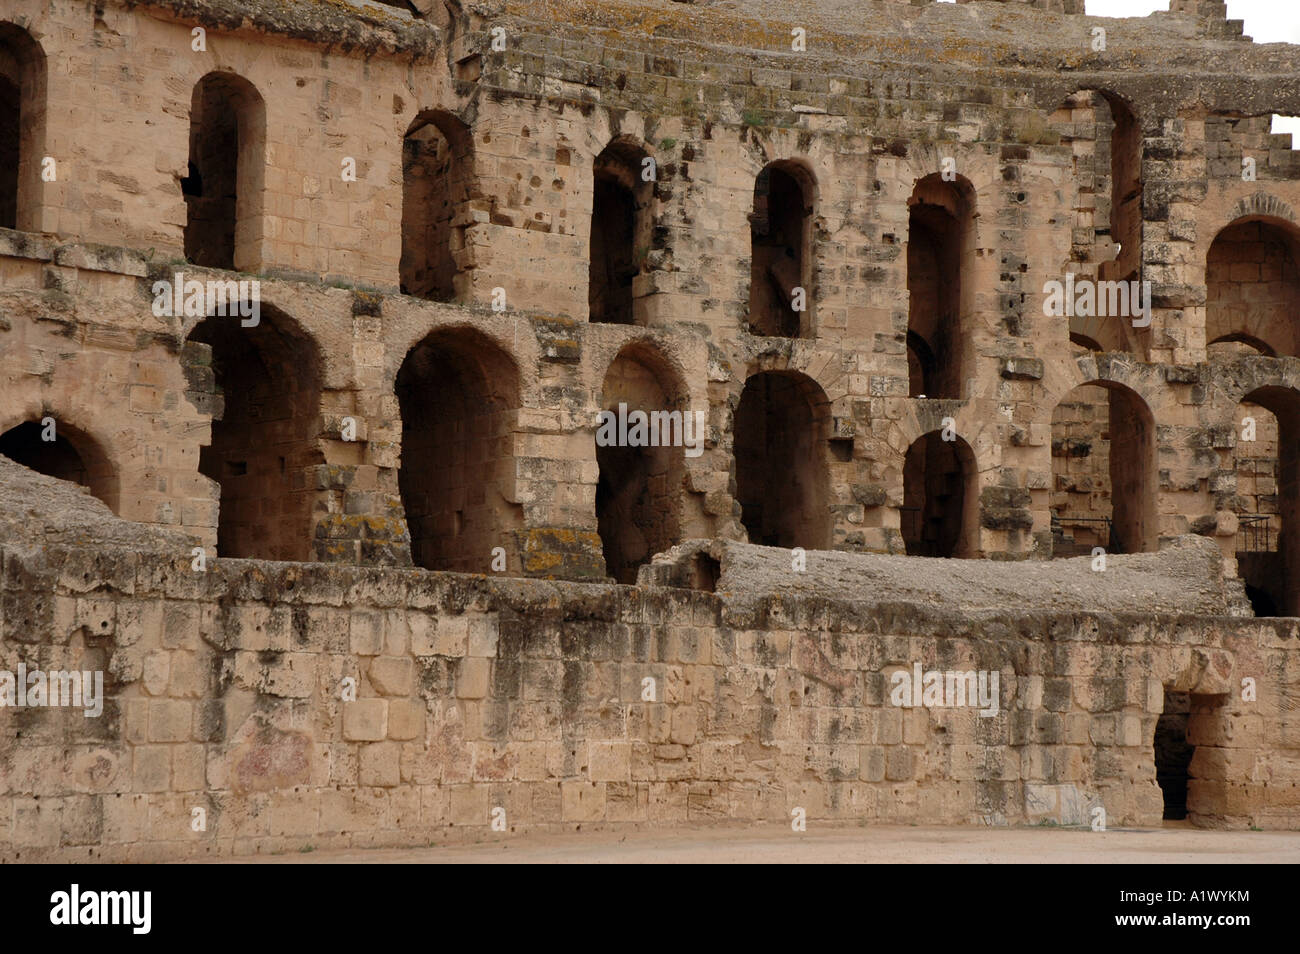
(876, 845)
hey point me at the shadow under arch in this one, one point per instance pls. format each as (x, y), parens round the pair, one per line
(781, 435)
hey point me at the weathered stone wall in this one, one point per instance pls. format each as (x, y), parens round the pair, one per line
(471, 694)
(1027, 144)
(359, 425)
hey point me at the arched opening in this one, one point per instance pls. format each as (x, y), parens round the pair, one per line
(1084, 343)
(22, 127)
(437, 181)
(1266, 460)
(1252, 286)
(642, 472)
(223, 191)
(261, 385)
(620, 232)
(920, 367)
(60, 450)
(459, 398)
(780, 238)
(940, 245)
(1103, 472)
(1105, 139)
(940, 498)
(781, 432)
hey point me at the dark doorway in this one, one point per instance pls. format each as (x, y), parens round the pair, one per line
(939, 237)
(1174, 754)
(22, 127)
(10, 111)
(938, 478)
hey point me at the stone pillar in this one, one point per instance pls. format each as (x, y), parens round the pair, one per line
(1215, 12)
(1215, 9)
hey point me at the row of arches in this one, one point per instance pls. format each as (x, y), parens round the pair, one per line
(1252, 275)
(225, 181)
(458, 394)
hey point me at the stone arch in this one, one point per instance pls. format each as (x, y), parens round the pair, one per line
(1267, 469)
(940, 512)
(1262, 205)
(459, 395)
(55, 448)
(437, 187)
(780, 237)
(640, 494)
(1245, 344)
(1252, 283)
(227, 166)
(22, 127)
(920, 366)
(261, 385)
(941, 243)
(1104, 474)
(1104, 129)
(1085, 342)
(781, 433)
(621, 231)
(1104, 133)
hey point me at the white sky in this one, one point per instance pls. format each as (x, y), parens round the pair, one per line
(1266, 21)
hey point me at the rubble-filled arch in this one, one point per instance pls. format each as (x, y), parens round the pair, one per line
(57, 449)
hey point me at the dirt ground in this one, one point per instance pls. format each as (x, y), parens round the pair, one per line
(875, 845)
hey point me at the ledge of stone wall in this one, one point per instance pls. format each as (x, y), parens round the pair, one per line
(1186, 577)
